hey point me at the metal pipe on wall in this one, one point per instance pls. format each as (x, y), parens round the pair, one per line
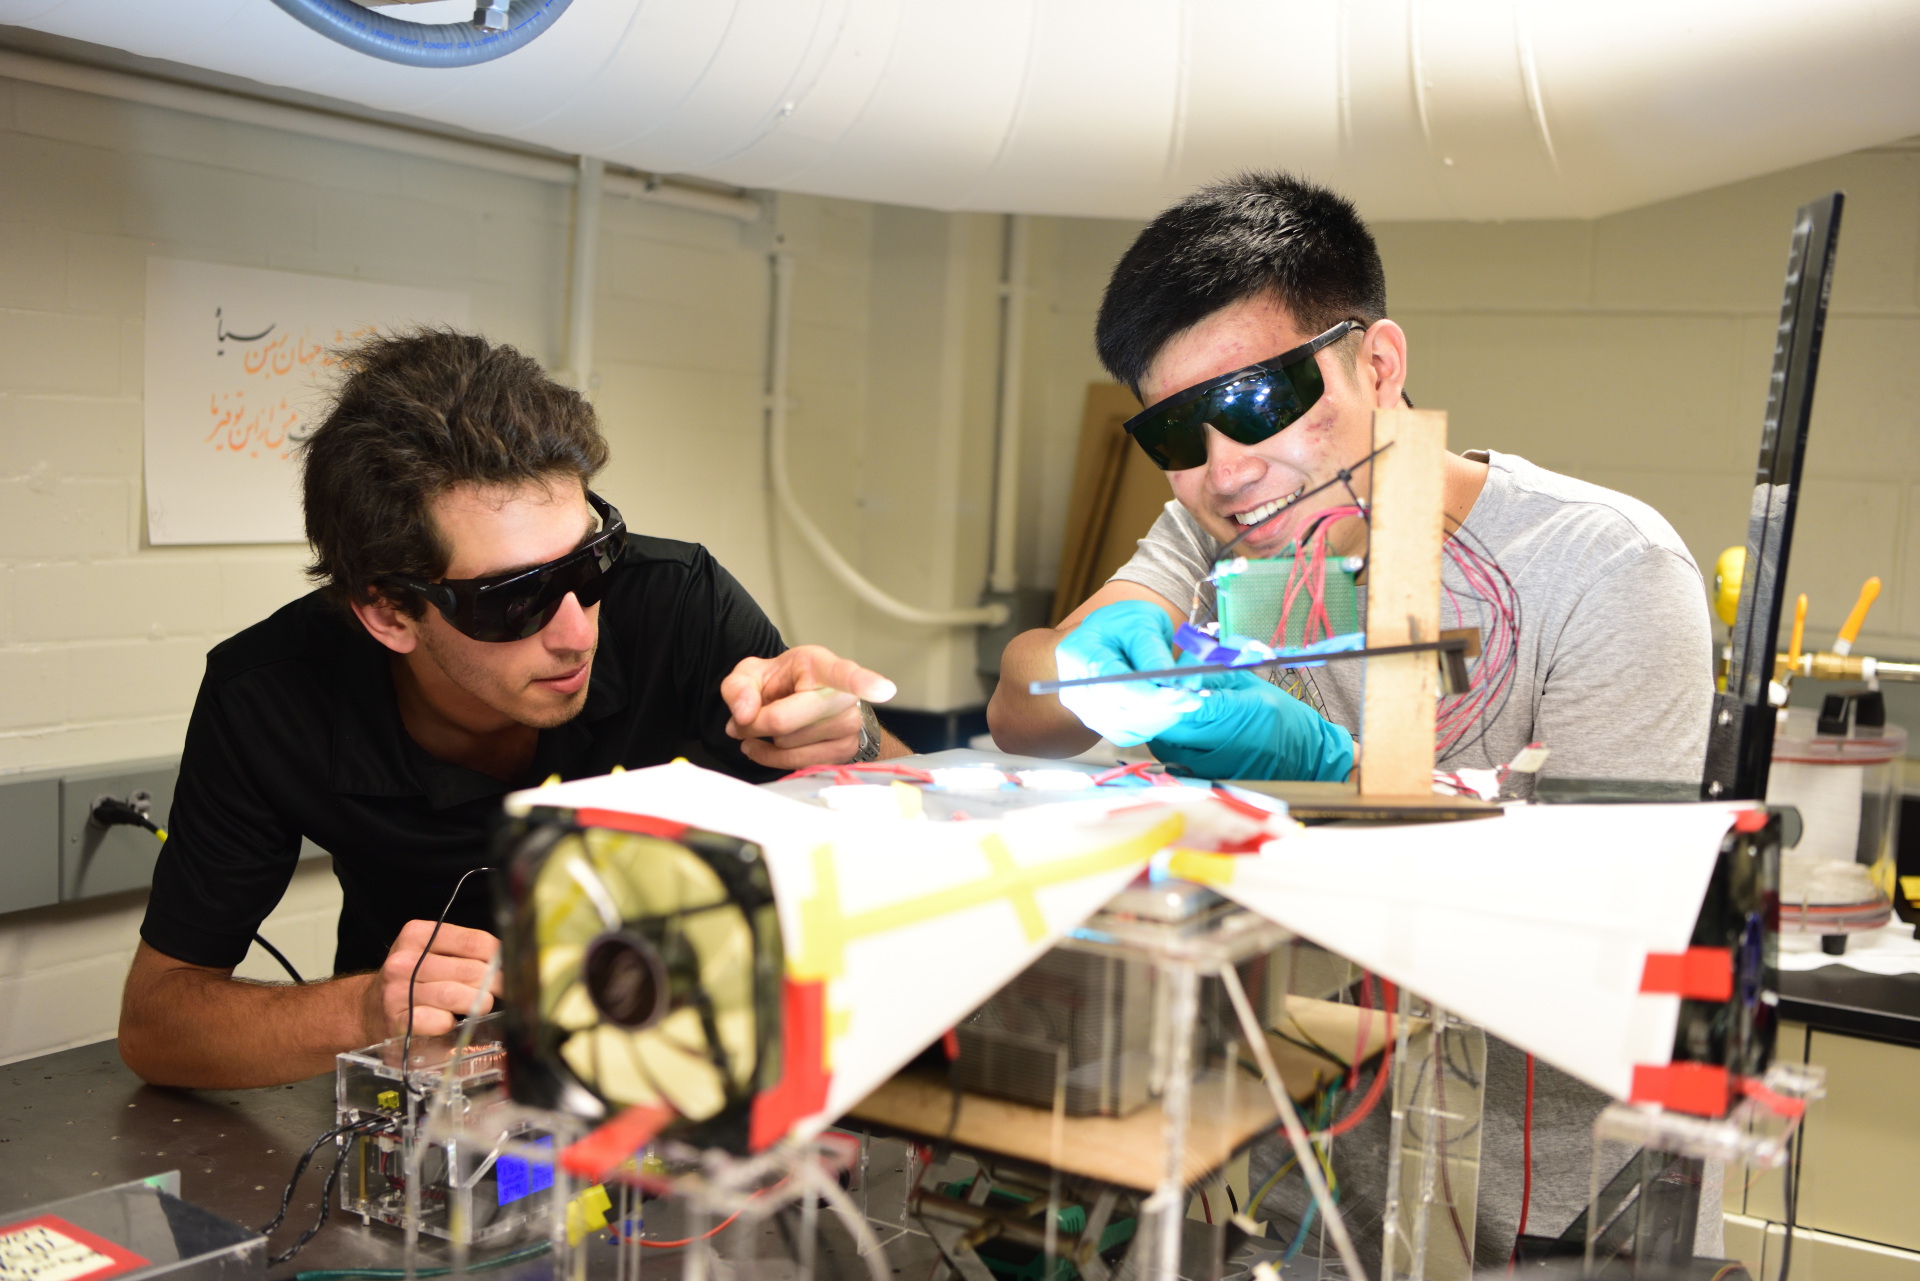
(1005, 574)
(580, 285)
(789, 505)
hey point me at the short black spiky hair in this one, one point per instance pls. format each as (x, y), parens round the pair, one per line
(1257, 233)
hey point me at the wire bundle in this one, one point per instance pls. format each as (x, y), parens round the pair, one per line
(1326, 1126)
(1489, 602)
(1309, 575)
(1486, 598)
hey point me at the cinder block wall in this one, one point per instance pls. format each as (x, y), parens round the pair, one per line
(102, 638)
(1634, 351)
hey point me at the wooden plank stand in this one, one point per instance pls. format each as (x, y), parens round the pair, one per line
(1405, 529)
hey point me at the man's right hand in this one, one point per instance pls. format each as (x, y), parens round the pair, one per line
(448, 982)
(1126, 636)
(1042, 724)
(1246, 727)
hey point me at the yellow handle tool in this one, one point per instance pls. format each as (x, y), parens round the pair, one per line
(1799, 633)
(1850, 630)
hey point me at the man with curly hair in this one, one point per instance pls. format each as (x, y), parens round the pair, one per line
(484, 621)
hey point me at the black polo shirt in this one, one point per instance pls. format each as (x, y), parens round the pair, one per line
(296, 733)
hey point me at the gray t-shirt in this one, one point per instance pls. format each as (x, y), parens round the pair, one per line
(1614, 660)
(1614, 674)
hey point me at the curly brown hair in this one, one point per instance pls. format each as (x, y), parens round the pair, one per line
(417, 414)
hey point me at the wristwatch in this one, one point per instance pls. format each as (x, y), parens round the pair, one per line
(869, 734)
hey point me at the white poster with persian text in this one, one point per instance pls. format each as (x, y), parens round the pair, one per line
(238, 364)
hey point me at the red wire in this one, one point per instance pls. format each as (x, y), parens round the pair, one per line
(849, 772)
(1526, 1166)
(645, 1244)
(1206, 1207)
(1374, 1091)
(1139, 770)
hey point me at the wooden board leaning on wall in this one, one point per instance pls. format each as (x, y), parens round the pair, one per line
(1117, 495)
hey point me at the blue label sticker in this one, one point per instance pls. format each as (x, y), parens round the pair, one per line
(517, 1177)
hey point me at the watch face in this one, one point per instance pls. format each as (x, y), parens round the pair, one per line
(869, 735)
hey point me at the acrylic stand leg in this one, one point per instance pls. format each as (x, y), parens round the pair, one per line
(1645, 1214)
(1176, 1101)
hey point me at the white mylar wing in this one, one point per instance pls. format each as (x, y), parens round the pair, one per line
(904, 926)
(1535, 925)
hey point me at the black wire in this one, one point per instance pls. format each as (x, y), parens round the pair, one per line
(1342, 477)
(326, 1207)
(279, 956)
(117, 813)
(1791, 1196)
(406, 1044)
(326, 1194)
(1309, 1047)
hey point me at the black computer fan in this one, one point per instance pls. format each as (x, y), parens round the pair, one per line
(642, 962)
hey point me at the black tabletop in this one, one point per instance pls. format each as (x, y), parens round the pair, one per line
(1833, 998)
(78, 1120)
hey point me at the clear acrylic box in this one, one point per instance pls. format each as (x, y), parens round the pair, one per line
(478, 1179)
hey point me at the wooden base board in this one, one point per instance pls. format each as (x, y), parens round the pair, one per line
(1315, 801)
(1127, 1149)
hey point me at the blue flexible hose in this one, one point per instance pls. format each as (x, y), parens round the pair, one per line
(423, 44)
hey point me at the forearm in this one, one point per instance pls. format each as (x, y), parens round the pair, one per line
(199, 1028)
(1034, 724)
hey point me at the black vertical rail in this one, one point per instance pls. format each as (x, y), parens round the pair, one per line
(1740, 740)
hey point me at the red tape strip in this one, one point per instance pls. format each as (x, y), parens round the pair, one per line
(1699, 973)
(802, 1088)
(596, 1156)
(621, 821)
(1780, 1104)
(1696, 1088)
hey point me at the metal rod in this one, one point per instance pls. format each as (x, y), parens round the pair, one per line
(1336, 1226)
(1450, 645)
(1176, 1101)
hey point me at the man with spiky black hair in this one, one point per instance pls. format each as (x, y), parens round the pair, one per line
(1251, 320)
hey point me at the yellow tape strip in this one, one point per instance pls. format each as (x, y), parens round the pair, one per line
(1025, 905)
(826, 932)
(1201, 866)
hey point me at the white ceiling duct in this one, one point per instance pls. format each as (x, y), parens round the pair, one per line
(1472, 109)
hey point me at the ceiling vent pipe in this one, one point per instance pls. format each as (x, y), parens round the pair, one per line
(1480, 109)
(498, 28)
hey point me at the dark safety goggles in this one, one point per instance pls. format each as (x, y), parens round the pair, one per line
(510, 607)
(1247, 405)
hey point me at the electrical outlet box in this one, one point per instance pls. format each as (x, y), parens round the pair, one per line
(96, 860)
(29, 841)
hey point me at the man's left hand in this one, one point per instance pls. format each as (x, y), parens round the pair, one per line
(802, 708)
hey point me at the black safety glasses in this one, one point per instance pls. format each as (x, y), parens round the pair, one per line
(510, 607)
(1247, 405)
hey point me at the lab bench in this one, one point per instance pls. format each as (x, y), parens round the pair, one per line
(1858, 1213)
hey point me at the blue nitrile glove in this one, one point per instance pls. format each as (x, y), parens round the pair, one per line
(1246, 727)
(1126, 636)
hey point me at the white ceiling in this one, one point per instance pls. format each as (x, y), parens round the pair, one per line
(1467, 109)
